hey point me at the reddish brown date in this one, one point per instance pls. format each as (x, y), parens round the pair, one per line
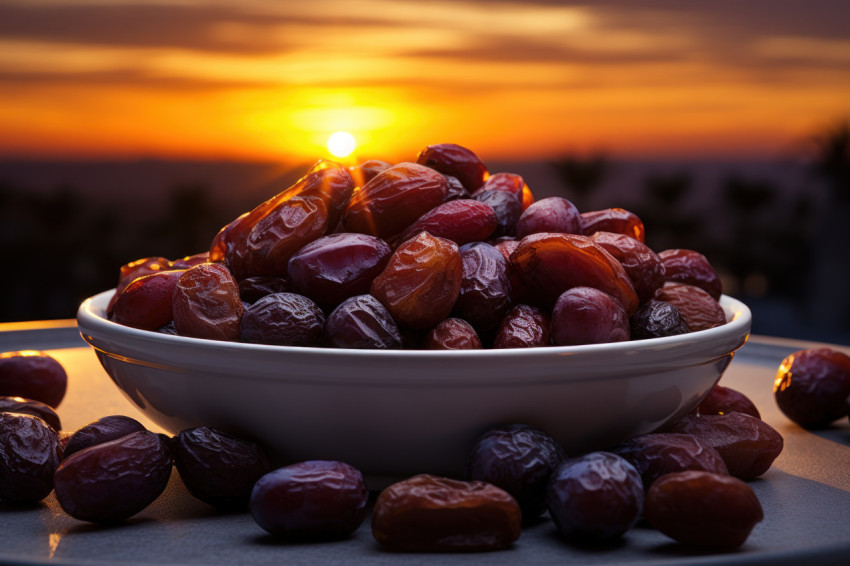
(393, 200)
(111, 482)
(662, 453)
(523, 327)
(698, 309)
(102, 430)
(692, 268)
(616, 220)
(335, 267)
(642, 265)
(812, 386)
(190, 261)
(455, 189)
(703, 509)
(485, 289)
(130, 271)
(518, 458)
(461, 221)
(452, 334)
(219, 468)
(455, 160)
(207, 303)
(747, 444)
(584, 315)
(147, 301)
(598, 496)
(316, 499)
(549, 264)
(29, 455)
(366, 171)
(283, 319)
(10, 404)
(432, 514)
(552, 214)
(32, 375)
(721, 400)
(421, 282)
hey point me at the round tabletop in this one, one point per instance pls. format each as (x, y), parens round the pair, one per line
(805, 495)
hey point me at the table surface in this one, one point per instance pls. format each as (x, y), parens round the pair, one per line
(805, 495)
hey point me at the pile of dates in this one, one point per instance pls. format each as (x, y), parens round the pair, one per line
(687, 480)
(436, 254)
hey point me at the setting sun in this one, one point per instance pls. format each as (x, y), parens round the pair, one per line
(341, 144)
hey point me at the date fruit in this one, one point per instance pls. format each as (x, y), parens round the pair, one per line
(584, 315)
(523, 327)
(461, 221)
(393, 200)
(111, 482)
(362, 322)
(455, 160)
(812, 386)
(656, 319)
(421, 283)
(284, 319)
(508, 209)
(692, 268)
(703, 509)
(642, 265)
(32, 375)
(747, 444)
(656, 454)
(598, 496)
(316, 499)
(518, 458)
(32, 407)
(698, 309)
(616, 220)
(252, 289)
(485, 289)
(219, 468)
(336, 267)
(207, 303)
(510, 183)
(552, 214)
(147, 302)
(452, 334)
(427, 513)
(102, 430)
(721, 400)
(29, 455)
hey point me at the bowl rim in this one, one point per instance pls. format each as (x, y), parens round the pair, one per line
(91, 317)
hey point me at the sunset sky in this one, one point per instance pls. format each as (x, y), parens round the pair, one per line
(267, 79)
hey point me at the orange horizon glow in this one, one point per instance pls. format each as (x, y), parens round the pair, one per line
(511, 81)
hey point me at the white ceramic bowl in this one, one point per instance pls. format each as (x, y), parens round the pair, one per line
(398, 413)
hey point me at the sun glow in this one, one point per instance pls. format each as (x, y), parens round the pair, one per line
(341, 144)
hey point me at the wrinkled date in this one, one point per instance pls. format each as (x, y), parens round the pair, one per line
(698, 309)
(362, 322)
(102, 430)
(29, 456)
(812, 386)
(584, 315)
(598, 496)
(747, 444)
(394, 199)
(692, 268)
(642, 265)
(432, 514)
(316, 499)
(421, 282)
(285, 319)
(32, 375)
(616, 220)
(510, 183)
(31, 407)
(452, 334)
(113, 481)
(703, 509)
(524, 327)
(662, 453)
(518, 458)
(207, 303)
(655, 319)
(219, 468)
(485, 289)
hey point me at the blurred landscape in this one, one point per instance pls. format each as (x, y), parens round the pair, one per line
(775, 229)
